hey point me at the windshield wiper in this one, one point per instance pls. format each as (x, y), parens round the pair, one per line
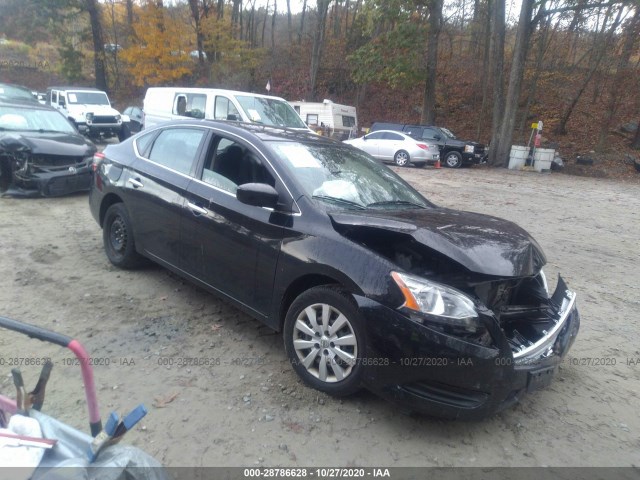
(340, 201)
(396, 202)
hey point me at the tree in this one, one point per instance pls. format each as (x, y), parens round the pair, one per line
(318, 45)
(160, 54)
(497, 9)
(507, 125)
(428, 116)
(98, 44)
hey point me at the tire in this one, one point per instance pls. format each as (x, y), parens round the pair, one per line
(453, 159)
(401, 158)
(336, 369)
(117, 236)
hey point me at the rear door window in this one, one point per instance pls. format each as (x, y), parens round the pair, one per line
(177, 148)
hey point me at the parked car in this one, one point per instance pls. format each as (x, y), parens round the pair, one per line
(10, 91)
(443, 311)
(41, 153)
(454, 152)
(90, 110)
(397, 147)
(136, 118)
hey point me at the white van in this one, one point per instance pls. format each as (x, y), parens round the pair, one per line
(169, 103)
(328, 118)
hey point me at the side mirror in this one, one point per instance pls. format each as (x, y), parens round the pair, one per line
(437, 136)
(258, 195)
(232, 117)
(62, 102)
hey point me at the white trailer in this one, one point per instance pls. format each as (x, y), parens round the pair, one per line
(328, 118)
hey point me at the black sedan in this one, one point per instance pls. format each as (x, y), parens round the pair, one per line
(442, 311)
(41, 153)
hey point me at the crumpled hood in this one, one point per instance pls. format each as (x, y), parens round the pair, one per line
(481, 243)
(68, 144)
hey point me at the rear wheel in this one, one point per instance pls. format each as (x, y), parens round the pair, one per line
(324, 339)
(401, 158)
(117, 236)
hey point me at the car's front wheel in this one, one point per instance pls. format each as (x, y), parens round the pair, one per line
(401, 158)
(453, 159)
(324, 340)
(117, 236)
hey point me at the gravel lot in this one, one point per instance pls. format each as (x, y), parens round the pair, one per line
(247, 407)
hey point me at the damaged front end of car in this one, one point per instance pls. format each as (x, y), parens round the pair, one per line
(481, 329)
(44, 166)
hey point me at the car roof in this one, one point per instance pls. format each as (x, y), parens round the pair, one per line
(77, 89)
(397, 132)
(249, 130)
(24, 103)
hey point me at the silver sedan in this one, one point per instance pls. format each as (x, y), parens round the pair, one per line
(396, 147)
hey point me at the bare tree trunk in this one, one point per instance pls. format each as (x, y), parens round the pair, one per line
(195, 13)
(220, 9)
(264, 23)
(301, 31)
(289, 26)
(130, 17)
(622, 71)
(543, 42)
(428, 115)
(523, 34)
(273, 25)
(336, 19)
(236, 19)
(318, 44)
(98, 44)
(497, 60)
(486, 63)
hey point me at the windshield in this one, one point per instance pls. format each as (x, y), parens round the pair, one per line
(24, 119)
(88, 98)
(448, 132)
(270, 111)
(341, 177)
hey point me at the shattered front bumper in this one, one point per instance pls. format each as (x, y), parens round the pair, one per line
(427, 371)
(53, 183)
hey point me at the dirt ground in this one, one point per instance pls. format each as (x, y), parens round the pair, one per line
(247, 407)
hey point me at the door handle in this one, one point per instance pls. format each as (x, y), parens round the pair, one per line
(197, 209)
(136, 183)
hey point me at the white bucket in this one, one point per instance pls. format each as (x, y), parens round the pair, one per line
(543, 158)
(518, 157)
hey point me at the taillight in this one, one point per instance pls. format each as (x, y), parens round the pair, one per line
(98, 158)
(423, 146)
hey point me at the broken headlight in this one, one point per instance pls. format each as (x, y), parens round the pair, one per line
(543, 280)
(438, 303)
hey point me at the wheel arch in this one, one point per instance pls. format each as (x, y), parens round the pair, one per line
(300, 285)
(109, 200)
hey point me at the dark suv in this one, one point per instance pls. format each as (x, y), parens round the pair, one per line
(453, 151)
